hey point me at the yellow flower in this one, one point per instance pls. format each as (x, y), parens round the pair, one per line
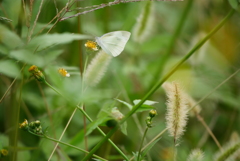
(63, 72)
(24, 124)
(91, 45)
(36, 73)
(33, 69)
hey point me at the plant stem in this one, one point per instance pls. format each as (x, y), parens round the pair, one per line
(69, 120)
(88, 117)
(200, 119)
(158, 84)
(155, 138)
(139, 151)
(109, 140)
(72, 146)
(211, 92)
(171, 44)
(54, 89)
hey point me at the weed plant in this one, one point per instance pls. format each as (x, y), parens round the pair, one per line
(173, 94)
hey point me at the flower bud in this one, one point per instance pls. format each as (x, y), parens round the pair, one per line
(37, 123)
(111, 123)
(36, 73)
(152, 113)
(24, 125)
(3, 152)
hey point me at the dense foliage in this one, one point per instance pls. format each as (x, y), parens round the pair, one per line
(78, 93)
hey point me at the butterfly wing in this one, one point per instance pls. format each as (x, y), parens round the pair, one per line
(113, 43)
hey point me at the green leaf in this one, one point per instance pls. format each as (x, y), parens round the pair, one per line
(9, 68)
(43, 41)
(9, 38)
(234, 4)
(124, 128)
(29, 57)
(144, 153)
(50, 56)
(3, 50)
(93, 125)
(90, 127)
(12, 10)
(146, 106)
(125, 103)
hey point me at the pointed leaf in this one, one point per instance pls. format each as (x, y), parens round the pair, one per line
(92, 126)
(47, 40)
(124, 128)
(27, 56)
(144, 153)
(125, 103)
(145, 108)
(234, 4)
(9, 38)
(9, 68)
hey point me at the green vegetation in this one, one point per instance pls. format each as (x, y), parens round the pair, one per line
(172, 94)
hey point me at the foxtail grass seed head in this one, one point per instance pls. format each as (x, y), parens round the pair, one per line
(38, 75)
(63, 72)
(176, 117)
(229, 153)
(145, 23)
(91, 45)
(97, 68)
(196, 155)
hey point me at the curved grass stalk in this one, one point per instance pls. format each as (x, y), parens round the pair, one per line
(170, 47)
(88, 117)
(158, 84)
(211, 92)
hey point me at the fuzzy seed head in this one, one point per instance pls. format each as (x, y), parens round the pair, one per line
(145, 23)
(196, 155)
(97, 68)
(176, 117)
(229, 153)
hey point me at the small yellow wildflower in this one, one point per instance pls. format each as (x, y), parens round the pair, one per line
(24, 124)
(63, 72)
(36, 73)
(91, 45)
(33, 69)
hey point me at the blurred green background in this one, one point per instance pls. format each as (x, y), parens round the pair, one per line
(128, 76)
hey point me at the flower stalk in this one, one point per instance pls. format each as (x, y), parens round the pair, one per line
(158, 84)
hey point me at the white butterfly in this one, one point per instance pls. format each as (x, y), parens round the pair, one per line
(113, 43)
